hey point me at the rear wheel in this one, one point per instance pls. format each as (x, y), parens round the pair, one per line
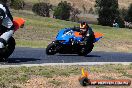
(8, 50)
(51, 49)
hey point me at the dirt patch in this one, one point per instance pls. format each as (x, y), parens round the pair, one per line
(123, 47)
(68, 82)
(42, 82)
(37, 82)
(113, 45)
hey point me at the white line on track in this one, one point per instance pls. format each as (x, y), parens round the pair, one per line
(66, 64)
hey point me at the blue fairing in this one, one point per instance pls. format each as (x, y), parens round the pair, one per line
(67, 34)
(97, 39)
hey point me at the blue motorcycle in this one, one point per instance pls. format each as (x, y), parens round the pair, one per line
(70, 41)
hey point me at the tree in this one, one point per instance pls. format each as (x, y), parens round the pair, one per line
(42, 9)
(17, 4)
(62, 11)
(129, 14)
(123, 12)
(3, 1)
(107, 10)
(7, 2)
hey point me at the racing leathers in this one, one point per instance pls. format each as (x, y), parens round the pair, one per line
(6, 26)
(88, 35)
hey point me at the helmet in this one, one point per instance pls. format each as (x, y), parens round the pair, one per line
(83, 25)
(2, 14)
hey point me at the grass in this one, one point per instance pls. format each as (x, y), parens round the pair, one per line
(40, 31)
(53, 74)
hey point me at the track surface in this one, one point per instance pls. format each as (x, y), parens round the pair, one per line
(38, 56)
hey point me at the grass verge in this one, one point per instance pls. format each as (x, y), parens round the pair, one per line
(59, 76)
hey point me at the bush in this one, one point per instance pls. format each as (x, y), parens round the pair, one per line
(3, 1)
(107, 10)
(129, 14)
(42, 9)
(123, 12)
(121, 23)
(7, 2)
(62, 11)
(17, 4)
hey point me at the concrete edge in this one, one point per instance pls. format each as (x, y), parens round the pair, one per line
(66, 64)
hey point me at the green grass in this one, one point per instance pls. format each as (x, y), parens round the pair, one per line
(33, 44)
(9, 76)
(40, 31)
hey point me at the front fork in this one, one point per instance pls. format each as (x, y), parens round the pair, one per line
(58, 46)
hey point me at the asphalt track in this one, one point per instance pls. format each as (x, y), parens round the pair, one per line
(38, 56)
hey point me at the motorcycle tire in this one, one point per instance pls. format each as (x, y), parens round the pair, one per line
(8, 50)
(84, 51)
(51, 49)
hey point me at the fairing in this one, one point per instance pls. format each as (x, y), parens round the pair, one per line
(67, 34)
(18, 22)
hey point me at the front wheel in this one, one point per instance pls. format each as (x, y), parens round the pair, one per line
(8, 50)
(85, 50)
(51, 49)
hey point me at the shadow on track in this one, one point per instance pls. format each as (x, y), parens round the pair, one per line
(92, 56)
(19, 60)
(78, 55)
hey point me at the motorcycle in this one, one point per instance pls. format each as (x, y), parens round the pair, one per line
(70, 41)
(10, 45)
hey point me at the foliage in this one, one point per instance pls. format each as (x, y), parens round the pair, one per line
(3, 1)
(123, 12)
(107, 10)
(62, 11)
(7, 2)
(17, 4)
(42, 9)
(129, 14)
(120, 21)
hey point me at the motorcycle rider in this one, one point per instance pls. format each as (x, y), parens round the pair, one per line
(87, 33)
(6, 25)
